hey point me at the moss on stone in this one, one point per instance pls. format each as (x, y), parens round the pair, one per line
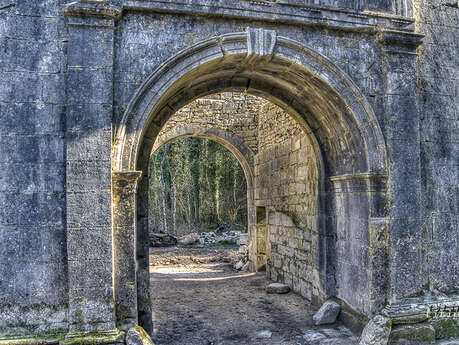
(29, 341)
(446, 328)
(421, 332)
(94, 338)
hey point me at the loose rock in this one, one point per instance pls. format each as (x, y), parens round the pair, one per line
(264, 334)
(242, 256)
(312, 336)
(277, 288)
(245, 268)
(331, 333)
(239, 265)
(327, 314)
(137, 336)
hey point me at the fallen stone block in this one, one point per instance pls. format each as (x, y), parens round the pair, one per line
(327, 314)
(137, 336)
(277, 288)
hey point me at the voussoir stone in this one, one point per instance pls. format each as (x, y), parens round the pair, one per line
(277, 288)
(138, 336)
(327, 314)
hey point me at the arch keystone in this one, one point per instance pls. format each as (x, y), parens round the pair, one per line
(260, 43)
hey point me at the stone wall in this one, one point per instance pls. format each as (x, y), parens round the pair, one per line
(438, 79)
(232, 112)
(37, 119)
(33, 284)
(286, 185)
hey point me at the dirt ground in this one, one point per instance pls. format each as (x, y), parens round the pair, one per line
(199, 299)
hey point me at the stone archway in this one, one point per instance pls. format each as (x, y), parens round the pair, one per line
(334, 114)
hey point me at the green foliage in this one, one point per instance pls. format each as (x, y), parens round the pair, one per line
(196, 184)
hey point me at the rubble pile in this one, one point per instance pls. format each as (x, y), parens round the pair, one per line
(227, 237)
(230, 237)
(240, 261)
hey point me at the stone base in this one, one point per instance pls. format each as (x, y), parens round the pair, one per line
(93, 338)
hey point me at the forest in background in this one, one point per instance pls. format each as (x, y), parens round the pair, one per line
(196, 185)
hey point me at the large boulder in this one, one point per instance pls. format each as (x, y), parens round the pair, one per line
(137, 336)
(277, 288)
(377, 331)
(327, 314)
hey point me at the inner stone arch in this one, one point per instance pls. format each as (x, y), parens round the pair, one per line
(282, 181)
(335, 117)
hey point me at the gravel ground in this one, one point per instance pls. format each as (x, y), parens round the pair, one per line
(198, 299)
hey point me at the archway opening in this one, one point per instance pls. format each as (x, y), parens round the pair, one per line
(281, 166)
(346, 141)
(196, 186)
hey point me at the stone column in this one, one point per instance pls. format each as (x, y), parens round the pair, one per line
(88, 165)
(403, 143)
(124, 186)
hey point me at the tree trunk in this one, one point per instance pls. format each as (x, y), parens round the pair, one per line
(163, 189)
(188, 183)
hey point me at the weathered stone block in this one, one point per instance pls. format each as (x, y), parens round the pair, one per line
(277, 288)
(327, 313)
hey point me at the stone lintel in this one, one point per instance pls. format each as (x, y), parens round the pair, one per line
(91, 13)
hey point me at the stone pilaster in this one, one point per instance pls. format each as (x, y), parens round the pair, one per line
(88, 165)
(401, 119)
(124, 186)
(363, 229)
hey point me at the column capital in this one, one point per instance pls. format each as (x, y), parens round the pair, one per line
(91, 13)
(402, 42)
(122, 179)
(99, 8)
(133, 175)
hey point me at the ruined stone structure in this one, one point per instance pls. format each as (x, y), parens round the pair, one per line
(361, 204)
